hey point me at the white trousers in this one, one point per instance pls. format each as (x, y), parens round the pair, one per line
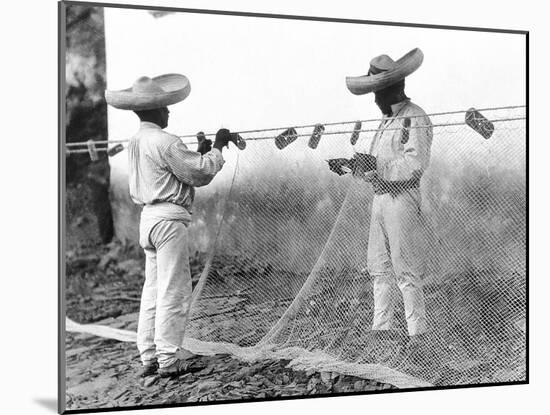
(396, 254)
(167, 290)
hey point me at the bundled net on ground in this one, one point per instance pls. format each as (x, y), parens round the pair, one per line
(287, 271)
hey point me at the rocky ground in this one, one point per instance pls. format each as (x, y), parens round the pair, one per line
(101, 373)
(103, 287)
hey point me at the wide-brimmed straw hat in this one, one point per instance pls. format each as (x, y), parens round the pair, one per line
(384, 71)
(150, 93)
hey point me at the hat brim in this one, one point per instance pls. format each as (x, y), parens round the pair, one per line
(404, 66)
(177, 87)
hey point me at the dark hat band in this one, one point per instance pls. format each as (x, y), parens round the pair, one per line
(373, 70)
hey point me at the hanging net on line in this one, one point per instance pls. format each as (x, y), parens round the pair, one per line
(287, 275)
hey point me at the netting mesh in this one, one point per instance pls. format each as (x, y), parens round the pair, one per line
(287, 275)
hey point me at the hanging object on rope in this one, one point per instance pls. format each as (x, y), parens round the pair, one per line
(355, 134)
(405, 130)
(238, 141)
(115, 150)
(473, 118)
(92, 150)
(479, 123)
(316, 136)
(286, 137)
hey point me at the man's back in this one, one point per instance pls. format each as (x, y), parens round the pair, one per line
(163, 169)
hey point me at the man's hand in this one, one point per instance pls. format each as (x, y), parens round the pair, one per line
(223, 137)
(336, 165)
(371, 176)
(205, 145)
(364, 163)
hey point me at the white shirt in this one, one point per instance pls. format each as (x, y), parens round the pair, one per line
(403, 153)
(163, 169)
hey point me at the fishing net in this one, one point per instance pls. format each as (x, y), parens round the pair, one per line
(286, 274)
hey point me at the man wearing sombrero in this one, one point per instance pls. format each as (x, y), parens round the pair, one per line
(163, 173)
(399, 153)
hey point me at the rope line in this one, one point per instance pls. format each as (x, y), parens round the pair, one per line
(369, 120)
(271, 137)
(83, 143)
(386, 129)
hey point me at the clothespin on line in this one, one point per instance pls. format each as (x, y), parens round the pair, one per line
(290, 135)
(115, 150)
(477, 122)
(286, 137)
(355, 135)
(405, 131)
(318, 131)
(92, 151)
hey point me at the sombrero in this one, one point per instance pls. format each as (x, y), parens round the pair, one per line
(150, 93)
(384, 71)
